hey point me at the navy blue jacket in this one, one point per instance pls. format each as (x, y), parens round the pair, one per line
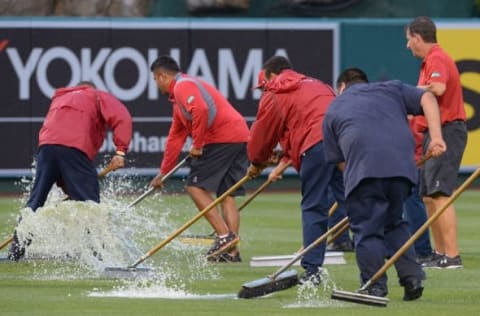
(367, 127)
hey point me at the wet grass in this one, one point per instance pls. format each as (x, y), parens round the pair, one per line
(270, 226)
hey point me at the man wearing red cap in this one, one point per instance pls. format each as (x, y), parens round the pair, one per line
(291, 112)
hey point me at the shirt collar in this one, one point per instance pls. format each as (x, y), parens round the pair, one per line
(434, 48)
(173, 83)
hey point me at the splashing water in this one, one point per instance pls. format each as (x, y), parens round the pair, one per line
(81, 231)
(83, 238)
(315, 296)
(166, 283)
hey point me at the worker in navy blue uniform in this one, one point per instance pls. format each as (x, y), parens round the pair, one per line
(366, 133)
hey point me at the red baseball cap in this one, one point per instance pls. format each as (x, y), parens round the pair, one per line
(261, 81)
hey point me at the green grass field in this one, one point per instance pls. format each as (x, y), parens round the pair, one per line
(270, 226)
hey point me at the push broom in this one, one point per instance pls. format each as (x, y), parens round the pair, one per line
(283, 279)
(382, 301)
(133, 267)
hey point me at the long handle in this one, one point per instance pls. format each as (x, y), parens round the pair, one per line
(191, 221)
(256, 192)
(165, 177)
(314, 244)
(421, 230)
(6, 242)
(105, 171)
(332, 210)
(261, 188)
(424, 159)
(335, 205)
(338, 233)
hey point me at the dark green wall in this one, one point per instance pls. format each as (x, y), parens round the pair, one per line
(379, 48)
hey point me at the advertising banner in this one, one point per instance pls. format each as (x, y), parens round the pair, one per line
(38, 56)
(460, 40)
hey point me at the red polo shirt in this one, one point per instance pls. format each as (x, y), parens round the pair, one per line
(438, 66)
(228, 125)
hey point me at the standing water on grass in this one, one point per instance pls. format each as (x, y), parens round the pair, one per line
(77, 240)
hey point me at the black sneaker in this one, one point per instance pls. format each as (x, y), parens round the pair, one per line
(432, 260)
(226, 257)
(374, 290)
(222, 245)
(16, 252)
(422, 259)
(449, 263)
(314, 278)
(346, 246)
(413, 289)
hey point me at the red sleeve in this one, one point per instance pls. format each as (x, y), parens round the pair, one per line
(117, 118)
(175, 141)
(418, 136)
(266, 131)
(285, 144)
(437, 70)
(189, 96)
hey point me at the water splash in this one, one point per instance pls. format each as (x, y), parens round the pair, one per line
(80, 239)
(316, 296)
(157, 292)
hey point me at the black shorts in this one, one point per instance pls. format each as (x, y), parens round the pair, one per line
(219, 168)
(439, 175)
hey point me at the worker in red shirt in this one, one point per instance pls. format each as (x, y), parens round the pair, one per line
(219, 158)
(291, 110)
(439, 75)
(71, 135)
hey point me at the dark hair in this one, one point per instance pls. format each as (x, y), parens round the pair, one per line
(276, 65)
(87, 83)
(350, 76)
(165, 62)
(423, 26)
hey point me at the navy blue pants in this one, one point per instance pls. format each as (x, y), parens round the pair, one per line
(338, 216)
(66, 165)
(316, 176)
(415, 214)
(375, 210)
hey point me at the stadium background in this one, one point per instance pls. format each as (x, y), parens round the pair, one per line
(46, 44)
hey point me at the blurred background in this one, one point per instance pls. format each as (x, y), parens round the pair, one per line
(243, 8)
(46, 44)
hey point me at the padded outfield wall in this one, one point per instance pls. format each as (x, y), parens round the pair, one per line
(38, 55)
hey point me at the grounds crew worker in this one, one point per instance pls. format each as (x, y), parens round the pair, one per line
(366, 132)
(439, 75)
(219, 136)
(72, 134)
(291, 111)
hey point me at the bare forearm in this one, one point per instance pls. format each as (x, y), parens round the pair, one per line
(437, 88)
(437, 145)
(432, 114)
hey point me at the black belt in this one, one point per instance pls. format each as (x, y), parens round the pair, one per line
(454, 121)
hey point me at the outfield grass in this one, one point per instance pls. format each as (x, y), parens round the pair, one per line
(270, 226)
